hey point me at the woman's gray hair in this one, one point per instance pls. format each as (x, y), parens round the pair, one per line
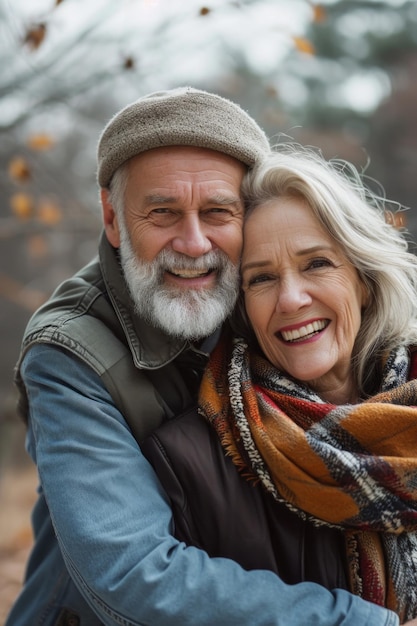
(355, 217)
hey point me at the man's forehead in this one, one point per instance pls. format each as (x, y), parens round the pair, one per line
(227, 198)
(172, 154)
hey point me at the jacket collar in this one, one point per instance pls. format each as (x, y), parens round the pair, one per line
(151, 348)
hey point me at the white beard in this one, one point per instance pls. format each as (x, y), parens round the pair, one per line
(187, 313)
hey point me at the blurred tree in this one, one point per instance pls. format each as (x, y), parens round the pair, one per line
(339, 74)
(364, 91)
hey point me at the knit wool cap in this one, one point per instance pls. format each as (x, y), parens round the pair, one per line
(179, 117)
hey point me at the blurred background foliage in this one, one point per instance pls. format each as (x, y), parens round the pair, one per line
(340, 75)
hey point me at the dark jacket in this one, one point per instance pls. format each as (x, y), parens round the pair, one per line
(150, 376)
(218, 510)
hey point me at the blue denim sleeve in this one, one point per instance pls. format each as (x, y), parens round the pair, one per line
(113, 523)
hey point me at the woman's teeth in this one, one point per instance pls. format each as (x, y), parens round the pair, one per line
(304, 331)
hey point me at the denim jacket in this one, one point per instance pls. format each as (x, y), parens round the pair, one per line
(104, 551)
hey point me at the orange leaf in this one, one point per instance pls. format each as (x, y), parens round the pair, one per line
(22, 205)
(49, 212)
(40, 141)
(304, 45)
(35, 35)
(37, 247)
(19, 170)
(319, 13)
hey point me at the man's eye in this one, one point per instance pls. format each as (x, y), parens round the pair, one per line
(163, 216)
(160, 211)
(218, 209)
(218, 214)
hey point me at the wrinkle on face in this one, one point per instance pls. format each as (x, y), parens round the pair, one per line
(295, 274)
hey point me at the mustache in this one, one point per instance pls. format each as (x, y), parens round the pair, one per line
(169, 260)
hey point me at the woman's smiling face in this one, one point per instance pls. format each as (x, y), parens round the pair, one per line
(302, 296)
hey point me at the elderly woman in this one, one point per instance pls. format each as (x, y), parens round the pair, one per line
(315, 400)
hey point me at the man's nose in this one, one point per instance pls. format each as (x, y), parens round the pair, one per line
(292, 295)
(191, 238)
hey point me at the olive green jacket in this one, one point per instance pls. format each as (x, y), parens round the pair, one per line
(150, 375)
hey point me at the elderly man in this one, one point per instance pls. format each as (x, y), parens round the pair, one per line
(119, 348)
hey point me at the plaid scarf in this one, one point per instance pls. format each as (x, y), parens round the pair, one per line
(353, 466)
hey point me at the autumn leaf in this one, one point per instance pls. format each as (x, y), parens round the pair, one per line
(319, 13)
(22, 205)
(49, 212)
(204, 11)
(35, 36)
(40, 141)
(19, 170)
(37, 247)
(304, 45)
(129, 63)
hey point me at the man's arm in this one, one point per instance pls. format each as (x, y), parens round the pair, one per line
(113, 522)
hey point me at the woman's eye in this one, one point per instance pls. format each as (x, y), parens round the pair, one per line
(318, 263)
(259, 279)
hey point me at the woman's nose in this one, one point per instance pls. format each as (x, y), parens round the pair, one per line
(292, 295)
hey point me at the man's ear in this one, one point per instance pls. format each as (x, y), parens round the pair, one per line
(111, 224)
